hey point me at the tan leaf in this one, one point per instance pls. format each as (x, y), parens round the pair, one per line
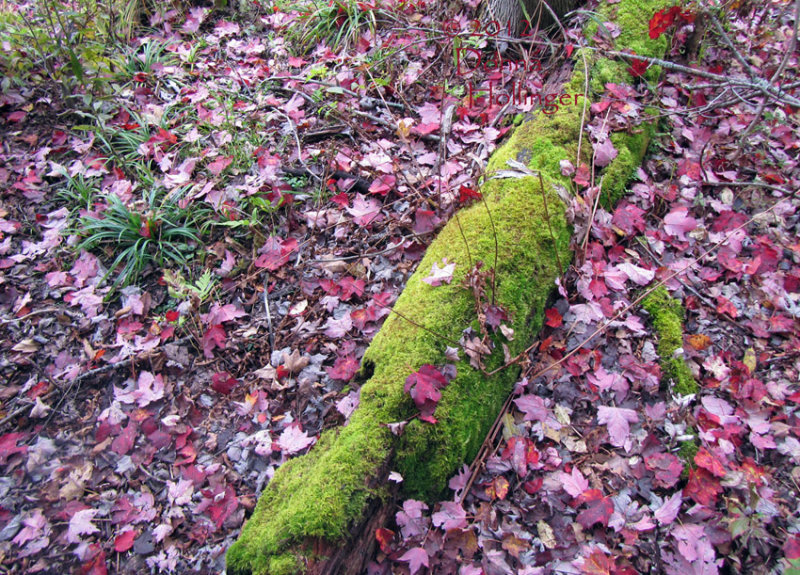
(546, 535)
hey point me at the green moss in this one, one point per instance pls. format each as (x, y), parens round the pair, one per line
(667, 316)
(313, 500)
(687, 451)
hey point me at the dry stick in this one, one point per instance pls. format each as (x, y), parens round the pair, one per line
(759, 84)
(493, 431)
(299, 146)
(549, 227)
(778, 72)
(412, 322)
(269, 314)
(446, 126)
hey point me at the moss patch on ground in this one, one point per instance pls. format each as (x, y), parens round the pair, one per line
(667, 316)
(321, 495)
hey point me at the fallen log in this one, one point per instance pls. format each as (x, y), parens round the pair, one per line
(320, 511)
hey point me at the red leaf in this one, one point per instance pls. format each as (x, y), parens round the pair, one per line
(424, 386)
(466, 194)
(662, 20)
(213, 338)
(638, 68)
(724, 305)
(341, 200)
(217, 166)
(125, 440)
(709, 462)
(425, 221)
(344, 368)
(8, 446)
(124, 541)
(598, 563)
(384, 537)
(791, 549)
(172, 315)
(554, 318)
(223, 382)
(598, 509)
(702, 487)
(275, 253)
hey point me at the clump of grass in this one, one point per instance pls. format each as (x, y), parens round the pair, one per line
(338, 22)
(164, 235)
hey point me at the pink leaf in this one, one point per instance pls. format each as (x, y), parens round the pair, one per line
(364, 210)
(213, 338)
(450, 516)
(217, 166)
(439, 274)
(533, 407)
(416, 558)
(668, 511)
(425, 221)
(617, 419)
(336, 328)
(604, 153)
(639, 276)
(81, 524)
(574, 483)
(678, 223)
(221, 314)
(293, 439)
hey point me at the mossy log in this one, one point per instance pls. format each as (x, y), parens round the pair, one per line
(319, 512)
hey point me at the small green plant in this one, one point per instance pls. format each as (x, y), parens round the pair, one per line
(163, 235)
(180, 288)
(79, 193)
(143, 60)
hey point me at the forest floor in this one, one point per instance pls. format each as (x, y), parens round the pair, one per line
(270, 202)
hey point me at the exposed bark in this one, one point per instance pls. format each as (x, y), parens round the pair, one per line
(520, 17)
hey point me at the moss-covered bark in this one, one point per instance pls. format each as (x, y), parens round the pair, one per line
(320, 496)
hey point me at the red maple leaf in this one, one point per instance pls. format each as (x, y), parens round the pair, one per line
(709, 462)
(8, 446)
(424, 386)
(275, 253)
(598, 509)
(554, 318)
(702, 487)
(223, 382)
(662, 20)
(344, 368)
(638, 68)
(384, 537)
(465, 194)
(213, 338)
